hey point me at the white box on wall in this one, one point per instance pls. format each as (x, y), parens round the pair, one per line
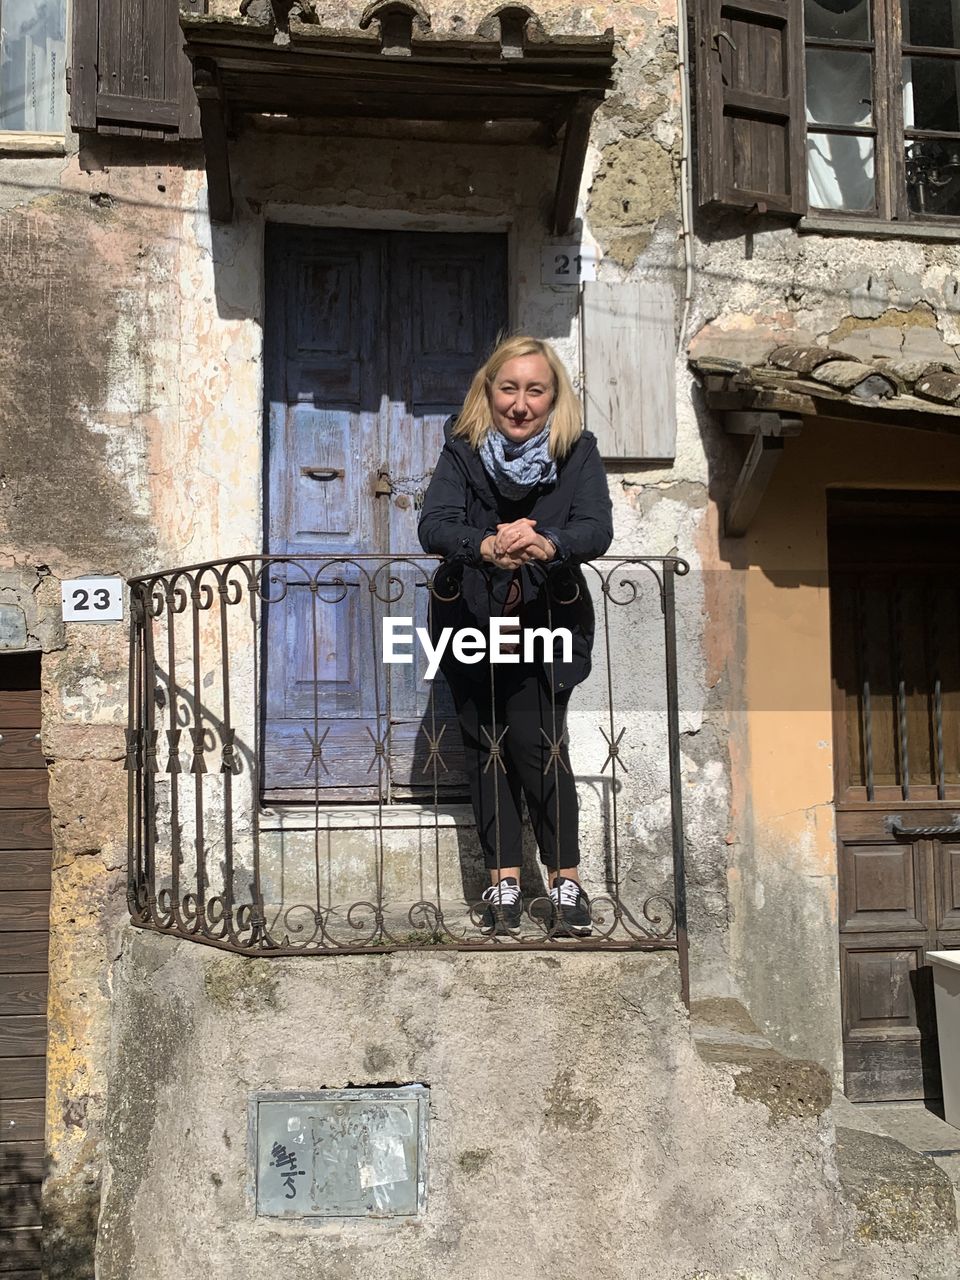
(629, 368)
(946, 988)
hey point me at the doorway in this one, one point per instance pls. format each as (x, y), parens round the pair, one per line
(25, 863)
(371, 341)
(895, 621)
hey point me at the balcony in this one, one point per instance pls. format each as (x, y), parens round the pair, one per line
(293, 793)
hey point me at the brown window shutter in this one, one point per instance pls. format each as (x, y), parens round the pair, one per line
(83, 72)
(751, 132)
(131, 75)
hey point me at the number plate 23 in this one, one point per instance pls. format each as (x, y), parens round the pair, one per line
(92, 599)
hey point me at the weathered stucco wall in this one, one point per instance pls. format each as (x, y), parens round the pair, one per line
(573, 1127)
(80, 383)
(117, 436)
(759, 284)
(132, 438)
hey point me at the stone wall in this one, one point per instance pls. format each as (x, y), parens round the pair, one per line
(573, 1128)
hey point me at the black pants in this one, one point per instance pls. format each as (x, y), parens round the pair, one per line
(522, 706)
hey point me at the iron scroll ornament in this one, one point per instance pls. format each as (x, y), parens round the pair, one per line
(195, 852)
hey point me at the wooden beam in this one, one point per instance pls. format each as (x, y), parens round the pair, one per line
(759, 465)
(297, 100)
(364, 69)
(122, 109)
(908, 412)
(213, 129)
(760, 398)
(189, 107)
(749, 423)
(572, 156)
(244, 78)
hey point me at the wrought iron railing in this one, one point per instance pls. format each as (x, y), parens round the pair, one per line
(291, 793)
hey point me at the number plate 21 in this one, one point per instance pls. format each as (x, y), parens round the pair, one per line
(567, 263)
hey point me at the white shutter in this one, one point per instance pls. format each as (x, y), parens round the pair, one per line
(629, 368)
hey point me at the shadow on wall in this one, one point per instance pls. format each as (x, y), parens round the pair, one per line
(129, 161)
(360, 184)
(53, 1233)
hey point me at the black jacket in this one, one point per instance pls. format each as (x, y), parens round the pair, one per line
(462, 507)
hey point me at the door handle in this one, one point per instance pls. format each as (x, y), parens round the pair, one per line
(323, 473)
(896, 828)
(723, 35)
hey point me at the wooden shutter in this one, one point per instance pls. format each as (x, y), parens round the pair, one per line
(130, 74)
(629, 368)
(751, 130)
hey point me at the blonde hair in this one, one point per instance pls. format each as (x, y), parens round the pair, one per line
(566, 423)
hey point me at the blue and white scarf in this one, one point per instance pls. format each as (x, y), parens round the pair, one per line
(517, 468)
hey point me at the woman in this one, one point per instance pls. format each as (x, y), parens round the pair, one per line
(518, 498)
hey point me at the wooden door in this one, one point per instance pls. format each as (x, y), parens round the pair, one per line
(371, 340)
(25, 859)
(895, 609)
(325, 371)
(448, 298)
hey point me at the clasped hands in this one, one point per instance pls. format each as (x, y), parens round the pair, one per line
(516, 544)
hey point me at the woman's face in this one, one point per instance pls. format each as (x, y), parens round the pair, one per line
(521, 397)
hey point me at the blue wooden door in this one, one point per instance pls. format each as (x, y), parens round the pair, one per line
(370, 342)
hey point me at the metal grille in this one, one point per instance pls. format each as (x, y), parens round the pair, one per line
(899, 670)
(215, 857)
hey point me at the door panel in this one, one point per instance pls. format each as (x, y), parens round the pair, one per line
(322, 659)
(371, 341)
(882, 988)
(450, 305)
(947, 853)
(880, 886)
(890, 1046)
(25, 873)
(325, 485)
(894, 562)
(450, 298)
(324, 373)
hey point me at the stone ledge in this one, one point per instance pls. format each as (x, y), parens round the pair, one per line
(898, 1194)
(790, 1088)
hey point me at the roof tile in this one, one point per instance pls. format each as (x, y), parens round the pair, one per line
(852, 375)
(803, 359)
(942, 387)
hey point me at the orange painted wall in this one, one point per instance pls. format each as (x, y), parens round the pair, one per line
(782, 866)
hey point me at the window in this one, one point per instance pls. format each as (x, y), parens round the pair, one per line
(902, 159)
(931, 105)
(838, 107)
(841, 139)
(32, 56)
